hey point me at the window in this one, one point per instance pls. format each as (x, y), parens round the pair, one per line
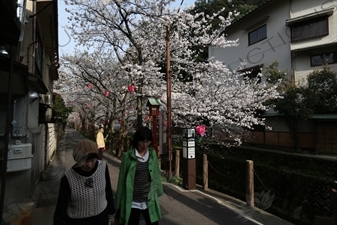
(252, 74)
(322, 59)
(309, 29)
(257, 35)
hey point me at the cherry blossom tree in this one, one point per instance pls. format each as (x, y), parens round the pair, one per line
(125, 43)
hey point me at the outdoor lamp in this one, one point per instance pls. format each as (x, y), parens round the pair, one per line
(33, 96)
(153, 104)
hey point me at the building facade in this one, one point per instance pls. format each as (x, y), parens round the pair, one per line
(28, 66)
(301, 38)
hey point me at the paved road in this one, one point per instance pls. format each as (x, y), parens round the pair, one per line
(179, 206)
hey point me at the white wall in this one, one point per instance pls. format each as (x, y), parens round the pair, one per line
(316, 6)
(275, 47)
(305, 48)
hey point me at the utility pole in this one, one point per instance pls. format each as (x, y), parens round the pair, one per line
(169, 108)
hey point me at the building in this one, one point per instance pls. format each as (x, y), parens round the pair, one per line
(28, 67)
(301, 38)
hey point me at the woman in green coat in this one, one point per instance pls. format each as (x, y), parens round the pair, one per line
(139, 182)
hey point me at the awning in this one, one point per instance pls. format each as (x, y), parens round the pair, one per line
(37, 84)
(22, 81)
(325, 12)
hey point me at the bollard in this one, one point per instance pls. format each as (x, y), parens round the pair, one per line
(250, 183)
(177, 163)
(205, 172)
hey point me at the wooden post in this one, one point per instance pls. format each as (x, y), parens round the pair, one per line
(334, 205)
(177, 163)
(205, 172)
(154, 131)
(168, 101)
(250, 183)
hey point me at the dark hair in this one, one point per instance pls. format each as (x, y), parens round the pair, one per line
(92, 156)
(142, 134)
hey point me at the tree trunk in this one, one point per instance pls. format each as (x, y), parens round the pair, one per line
(293, 127)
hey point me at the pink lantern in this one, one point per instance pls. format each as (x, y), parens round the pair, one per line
(106, 93)
(201, 129)
(89, 104)
(131, 88)
(89, 86)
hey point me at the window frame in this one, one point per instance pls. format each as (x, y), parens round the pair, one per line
(324, 61)
(309, 22)
(258, 38)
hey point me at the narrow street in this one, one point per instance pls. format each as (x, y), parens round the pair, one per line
(179, 206)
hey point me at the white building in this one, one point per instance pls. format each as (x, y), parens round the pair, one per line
(301, 35)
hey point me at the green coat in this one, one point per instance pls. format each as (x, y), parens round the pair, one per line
(125, 186)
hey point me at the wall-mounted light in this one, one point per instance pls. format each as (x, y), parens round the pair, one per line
(3, 50)
(33, 96)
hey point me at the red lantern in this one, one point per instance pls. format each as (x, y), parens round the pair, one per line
(201, 129)
(106, 93)
(147, 118)
(89, 86)
(131, 88)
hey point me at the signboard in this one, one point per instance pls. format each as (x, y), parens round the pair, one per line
(189, 133)
(189, 143)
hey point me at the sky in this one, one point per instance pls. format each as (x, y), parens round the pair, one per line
(66, 42)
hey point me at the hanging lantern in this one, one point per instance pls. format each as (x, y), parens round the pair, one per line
(131, 89)
(201, 129)
(106, 93)
(147, 118)
(89, 86)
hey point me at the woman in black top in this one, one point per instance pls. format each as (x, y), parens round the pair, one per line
(85, 196)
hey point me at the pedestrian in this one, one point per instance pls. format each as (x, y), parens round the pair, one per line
(100, 140)
(139, 182)
(85, 195)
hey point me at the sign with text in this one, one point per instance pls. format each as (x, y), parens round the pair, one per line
(189, 143)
